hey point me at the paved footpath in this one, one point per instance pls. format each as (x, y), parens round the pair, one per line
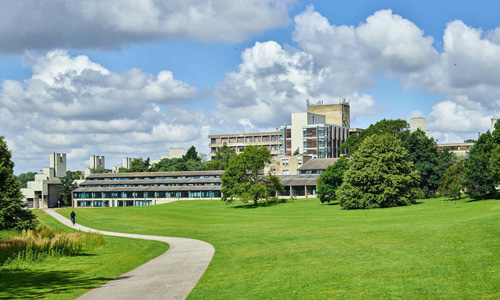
(171, 275)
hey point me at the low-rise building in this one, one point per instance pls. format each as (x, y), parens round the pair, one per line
(315, 167)
(287, 165)
(43, 192)
(460, 149)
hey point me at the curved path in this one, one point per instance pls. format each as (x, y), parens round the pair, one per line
(171, 275)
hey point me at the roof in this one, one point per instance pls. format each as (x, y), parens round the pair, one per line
(317, 164)
(244, 134)
(151, 181)
(298, 181)
(150, 188)
(157, 174)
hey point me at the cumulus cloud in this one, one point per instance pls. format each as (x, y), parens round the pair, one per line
(73, 105)
(111, 24)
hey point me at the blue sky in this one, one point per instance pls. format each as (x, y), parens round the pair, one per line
(135, 78)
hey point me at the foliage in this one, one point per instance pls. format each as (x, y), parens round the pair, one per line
(495, 164)
(25, 177)
(45, 242)
(191, 154)
(427, 159)
(77, 175)
(66, 187)
(13, 214)
(379, 175)
(451, 183)
(393, 127)
(296, 152)
(478, 178)
(177, 164)
(99, 170)
(243, 179)
(139, 165)
(221, 158)
(331, 179)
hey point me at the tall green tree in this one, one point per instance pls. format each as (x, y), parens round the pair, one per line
(177, 164)
(221, 158)
(380, 175)
(451, 183)
(13, 212)
(244, 179)
(495, 165)
(191, 154)
(139, 165)
(331, 179)
(393, 127)
(427, 159)
(66, 187)
(25, 177)
(478, 178)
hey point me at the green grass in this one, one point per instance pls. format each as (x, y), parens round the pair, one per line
(70, 276)
(308, 250)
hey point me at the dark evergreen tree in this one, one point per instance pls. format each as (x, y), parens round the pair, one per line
(221, 158)
(191, 154)
(13, 212)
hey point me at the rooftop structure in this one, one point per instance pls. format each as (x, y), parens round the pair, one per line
(336, 114)
(418, 123)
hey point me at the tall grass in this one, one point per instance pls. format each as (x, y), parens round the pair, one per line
(44, 243)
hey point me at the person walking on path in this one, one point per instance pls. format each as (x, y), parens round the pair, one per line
(73, 215)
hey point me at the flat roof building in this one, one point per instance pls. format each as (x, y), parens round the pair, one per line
(239, 141)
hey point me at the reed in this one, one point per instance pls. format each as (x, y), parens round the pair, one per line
(45, 243)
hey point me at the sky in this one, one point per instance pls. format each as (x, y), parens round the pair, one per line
(133, 78)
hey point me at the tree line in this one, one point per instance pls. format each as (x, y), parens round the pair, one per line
(386, 165)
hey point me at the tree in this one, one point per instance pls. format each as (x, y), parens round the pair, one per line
(243, 178)
(393, 127)
(66, 187)
(495, 164)
(296, 152)
(176, 164)
(330, 180)
(451, 183)
(25, 177)
(221, 158)
(191, 154)
(427, 159)
(13, 212)
(379, 175)
(139, 165)
(478, 178)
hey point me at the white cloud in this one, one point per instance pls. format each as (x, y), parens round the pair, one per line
(74, 105)
(45, 25)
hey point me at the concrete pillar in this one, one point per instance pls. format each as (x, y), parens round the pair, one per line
(291, 191)
(305, 188)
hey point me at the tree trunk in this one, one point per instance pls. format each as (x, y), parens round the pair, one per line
(255, 202)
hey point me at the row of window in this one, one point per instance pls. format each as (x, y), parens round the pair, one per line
(153, 177)
(153, 184)
(133, 195)
(248, 139)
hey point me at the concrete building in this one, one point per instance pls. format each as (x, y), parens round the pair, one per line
(460, 149)
(336, 114)
(238, 142)
(286, 165)
(174, 153)
(418, 123)
(97, 162)
(43, 192)
(315, 167)
(127, 161)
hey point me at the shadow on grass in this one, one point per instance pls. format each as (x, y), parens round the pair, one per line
(34, 284)
(262, 204)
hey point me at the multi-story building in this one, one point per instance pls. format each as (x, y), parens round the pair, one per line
(286, 165)
(43, 192)
(309, 135)
(97, 162)
(460, 149)
(336, 114)
(238, 142)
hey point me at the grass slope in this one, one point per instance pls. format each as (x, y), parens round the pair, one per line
(308, 250)
(69, 277)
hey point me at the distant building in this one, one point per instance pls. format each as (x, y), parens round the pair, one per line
(174, 153)
(336, 114)
(127, 161)
(239, 141)
(460, 149)
(43, 192)
(418, 123)
(97, 162)
(316, 166)
(287, 165)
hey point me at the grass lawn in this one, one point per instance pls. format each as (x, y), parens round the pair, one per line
(69, 277)
(308, 250)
